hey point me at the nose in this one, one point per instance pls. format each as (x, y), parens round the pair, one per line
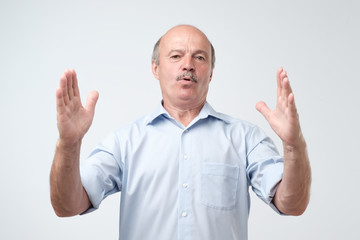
(188, 64)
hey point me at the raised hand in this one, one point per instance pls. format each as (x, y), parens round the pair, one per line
(73, 119)
(68, 196)
(284, 118)
(293, 192)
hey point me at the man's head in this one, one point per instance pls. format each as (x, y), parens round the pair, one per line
(155, 54)
(183, 62)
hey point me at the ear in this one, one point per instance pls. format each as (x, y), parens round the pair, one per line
(155, 70)
(211, 74)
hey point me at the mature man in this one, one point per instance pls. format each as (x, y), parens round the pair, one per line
(183, 171)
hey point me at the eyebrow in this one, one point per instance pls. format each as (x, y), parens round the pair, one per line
(182, 51)
(175, 50)
(201, 52)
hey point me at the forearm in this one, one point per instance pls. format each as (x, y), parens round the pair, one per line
(293, 193)
(68, 196)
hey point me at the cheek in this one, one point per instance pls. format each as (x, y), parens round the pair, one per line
(205, 70)
(168, 73)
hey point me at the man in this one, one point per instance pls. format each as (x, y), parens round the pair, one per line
(183, 171)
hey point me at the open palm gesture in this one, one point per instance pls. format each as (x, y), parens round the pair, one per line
(284, 118)
(73, 119)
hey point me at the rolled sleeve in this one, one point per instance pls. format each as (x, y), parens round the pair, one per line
(101, 174)
(265, 169)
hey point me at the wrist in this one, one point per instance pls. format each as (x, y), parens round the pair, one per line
(68, 146)
(296, 149)
(66, 155)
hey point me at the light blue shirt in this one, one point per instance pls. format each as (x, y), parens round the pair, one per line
(181, 182)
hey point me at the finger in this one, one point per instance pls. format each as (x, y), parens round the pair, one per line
(75, 85)
(91, 101)
(60, 103)
(286, 89)
(278, 79)
(292, 106)
(263, 109)
(70, 84)
(283, 75)
(63, 87)
(282, 96)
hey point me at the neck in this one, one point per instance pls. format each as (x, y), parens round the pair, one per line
(183, 114)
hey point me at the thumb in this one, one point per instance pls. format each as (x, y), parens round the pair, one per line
(91, 101)
(263, 109)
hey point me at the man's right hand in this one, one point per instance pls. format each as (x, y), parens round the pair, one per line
(73, 119)
(68, 196)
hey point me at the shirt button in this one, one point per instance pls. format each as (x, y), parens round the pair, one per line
(185, 156)
(185, 185)
(184, 214)
(186, 130)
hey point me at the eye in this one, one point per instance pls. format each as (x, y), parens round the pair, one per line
(175, 56)
(201, 58)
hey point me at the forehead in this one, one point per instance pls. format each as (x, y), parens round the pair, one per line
(185, 38)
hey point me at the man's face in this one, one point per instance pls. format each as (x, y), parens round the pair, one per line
(184, 69)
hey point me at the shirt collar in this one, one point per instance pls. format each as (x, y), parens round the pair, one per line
(205, 112)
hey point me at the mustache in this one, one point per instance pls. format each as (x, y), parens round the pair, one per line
(187, 75)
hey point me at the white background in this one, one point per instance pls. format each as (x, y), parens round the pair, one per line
(109, 43)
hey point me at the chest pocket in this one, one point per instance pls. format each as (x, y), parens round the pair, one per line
(219, 185)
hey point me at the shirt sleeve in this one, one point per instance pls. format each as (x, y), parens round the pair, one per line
(101, 172)
(265, 166)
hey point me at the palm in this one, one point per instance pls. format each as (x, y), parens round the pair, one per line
(73, 119)
(284, 118)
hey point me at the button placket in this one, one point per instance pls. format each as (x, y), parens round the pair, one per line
(185, 193)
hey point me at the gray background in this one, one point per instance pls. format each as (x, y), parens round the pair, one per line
(109, 43)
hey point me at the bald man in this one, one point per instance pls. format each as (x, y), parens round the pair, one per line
(184, 171)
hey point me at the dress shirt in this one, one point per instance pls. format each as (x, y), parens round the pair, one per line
(180, 182)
